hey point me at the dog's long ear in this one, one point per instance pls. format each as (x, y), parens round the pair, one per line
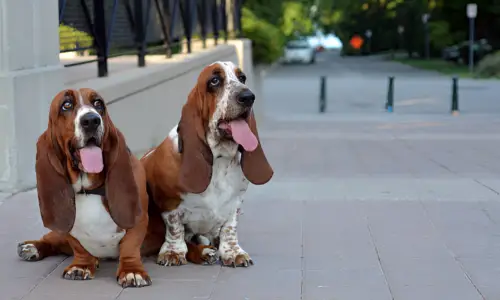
(254, 164)
(196, 159)
(122, 193)
(56, 196)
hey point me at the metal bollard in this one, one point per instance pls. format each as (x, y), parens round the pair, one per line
(322, 94)
(389, 105)
(454, 96)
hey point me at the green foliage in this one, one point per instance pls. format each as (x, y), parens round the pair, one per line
(296, 19)
(439, 34)
(268, 10)
(489, 66)
(267, 40)
(69, 37)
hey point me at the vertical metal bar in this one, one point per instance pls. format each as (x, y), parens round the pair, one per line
(202, 17)
(454, 96)
(186, 12)
(322, 94)
(88, 18)
(174, 17)
(130, 15)
(62, 6)
(237, 26)
(146, 21)
(164, 28)
(111, 23)
(390, 95)
(215, 21)
(100, 38)
(139, 33)
(224, 18)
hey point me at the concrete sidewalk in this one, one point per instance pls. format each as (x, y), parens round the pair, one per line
(359, 208)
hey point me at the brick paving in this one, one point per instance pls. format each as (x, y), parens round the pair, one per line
(363, 205)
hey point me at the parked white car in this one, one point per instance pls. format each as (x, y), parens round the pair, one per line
(299, 51)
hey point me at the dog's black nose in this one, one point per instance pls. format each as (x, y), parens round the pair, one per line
(246, 98)
(90, 121)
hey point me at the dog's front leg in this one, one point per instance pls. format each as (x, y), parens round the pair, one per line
(83, 266)
(230, 251)
(131, 272)
(174, 249)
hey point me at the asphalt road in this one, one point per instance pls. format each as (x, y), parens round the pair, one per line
(360, 85)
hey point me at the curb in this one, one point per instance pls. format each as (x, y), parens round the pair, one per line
(262, 70)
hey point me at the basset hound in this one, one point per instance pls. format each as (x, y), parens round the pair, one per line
(91, 191)
(198, 175)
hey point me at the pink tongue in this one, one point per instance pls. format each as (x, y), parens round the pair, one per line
(91, 158)
(243, 135)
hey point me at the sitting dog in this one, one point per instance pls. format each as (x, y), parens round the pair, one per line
(198, 175)
(91, 191)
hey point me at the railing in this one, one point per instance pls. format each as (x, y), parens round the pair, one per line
(111, 28)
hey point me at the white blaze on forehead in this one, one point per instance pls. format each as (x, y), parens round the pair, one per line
(82, 110)
(229, 70)
(80, 98)
(231, 81)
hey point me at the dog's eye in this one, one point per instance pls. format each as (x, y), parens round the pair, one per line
(215, 81)
(242, 78)
(98, 104)
(67, 105)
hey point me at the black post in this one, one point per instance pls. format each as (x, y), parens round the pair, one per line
(202, 17)
(215, 21)
(223, 10)
(187, 14)
(322, 94)
(238, 5)
(389, 105)
(165, 29)
(454, 96)
(100, 38)
(140, 35)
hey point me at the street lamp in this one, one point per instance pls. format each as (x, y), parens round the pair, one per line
(401, 29)
(368, 34)
(313, 10)
(425, 20)
(471, 14)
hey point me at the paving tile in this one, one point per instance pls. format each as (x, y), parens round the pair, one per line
(256, 284)
(57, 296)
(466, 228)
(17, 288)
(484, 273)
(189, 272)
(355, 284)
(167, 289)
(336, 236)
(21, 269)
(277, 217)
(277, 262)
(272, 244)
(104, 283)
(434, 292)
(413, 256)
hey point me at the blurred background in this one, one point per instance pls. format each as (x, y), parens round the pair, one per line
(429, 34)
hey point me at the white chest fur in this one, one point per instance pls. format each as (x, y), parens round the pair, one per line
(206, 213)
(94, 228)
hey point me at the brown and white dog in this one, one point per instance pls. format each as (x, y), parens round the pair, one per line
(198, 175)
(91, 191)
